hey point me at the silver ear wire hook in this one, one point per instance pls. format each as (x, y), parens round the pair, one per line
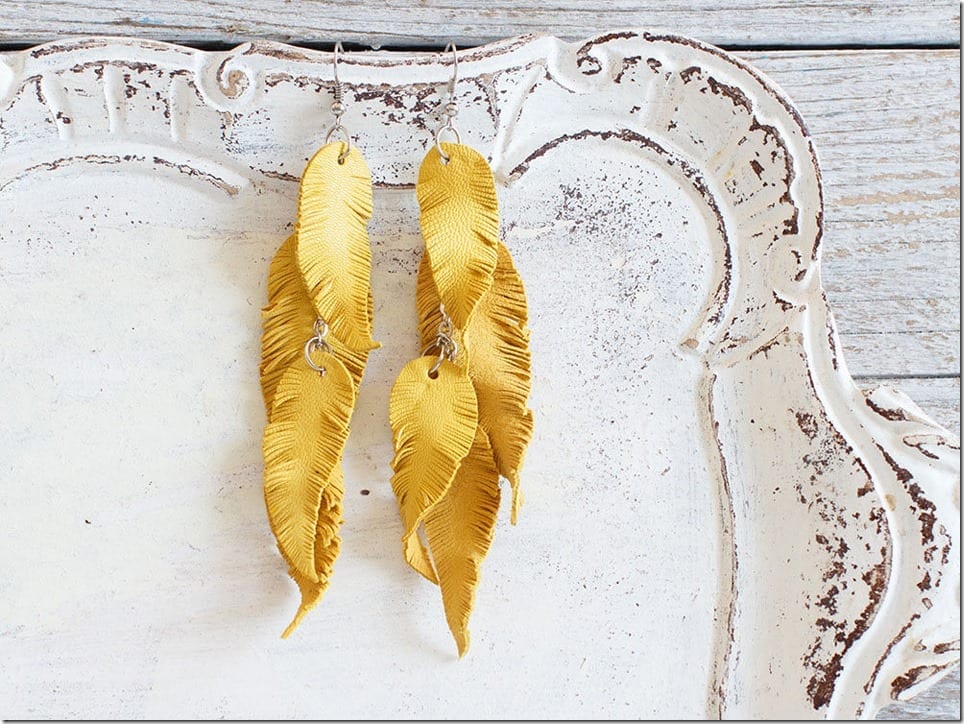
(455, 70)
(450, 109)
(338, 108)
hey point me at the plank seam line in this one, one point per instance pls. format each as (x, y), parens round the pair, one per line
(221, 46)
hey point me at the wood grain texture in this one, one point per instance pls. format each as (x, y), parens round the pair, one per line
(863, 310)
(755, 23)
(941, 399)
(886, 126)
(942, 702)
(938, 397)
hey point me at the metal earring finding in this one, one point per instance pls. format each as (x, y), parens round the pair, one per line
(338, 109)
(318, 342)
(450, 109)
(448, 348)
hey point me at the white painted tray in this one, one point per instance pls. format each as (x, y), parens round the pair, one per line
(718, 522)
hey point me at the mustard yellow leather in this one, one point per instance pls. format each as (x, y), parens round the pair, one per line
(452, 488)
(288, 321)
(495, 349)
(460, 226)
(433, 426)
(303, 445)
(321, 271)
(327, 547)
(459, 531)
(333, 251)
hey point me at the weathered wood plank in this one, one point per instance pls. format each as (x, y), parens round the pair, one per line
(892, 243)
(755, 23)
(920, 255)
(942, 702)
(886, 126)
(941, 399)
(938, 397)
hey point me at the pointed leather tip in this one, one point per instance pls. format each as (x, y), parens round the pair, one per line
(309, 598)
(517, 500)
(302, 611)
(361, 343)
(462, 641)
(367, 344)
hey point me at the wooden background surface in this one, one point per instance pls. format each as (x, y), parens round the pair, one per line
(877, 81)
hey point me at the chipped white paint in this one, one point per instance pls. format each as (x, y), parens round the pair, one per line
(718, 521)
(891, 169)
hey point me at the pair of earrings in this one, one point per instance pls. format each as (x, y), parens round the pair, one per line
(458, 413)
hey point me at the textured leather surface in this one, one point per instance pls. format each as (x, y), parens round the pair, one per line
(447, 461)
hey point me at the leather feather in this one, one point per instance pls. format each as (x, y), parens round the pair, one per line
(496, 345)
(333, 251)
(288, 321)
(327, 548)
(433, 425)
(460, 226)
(303, 444)
(459, 531)
(448, 461)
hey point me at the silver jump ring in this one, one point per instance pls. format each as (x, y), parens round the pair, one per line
(313, 345)
(339, 129)
(451, 348)
(446, 345)
(448, 349)
(438, 141)
(438, 364)
(318, 342)
(434, 345)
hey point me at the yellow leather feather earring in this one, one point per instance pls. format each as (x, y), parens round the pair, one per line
(459, 412)
(315, 345)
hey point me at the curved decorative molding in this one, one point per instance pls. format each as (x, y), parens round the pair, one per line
(837, 511)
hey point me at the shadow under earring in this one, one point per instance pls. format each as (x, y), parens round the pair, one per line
(314, 348)
(459, 413)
